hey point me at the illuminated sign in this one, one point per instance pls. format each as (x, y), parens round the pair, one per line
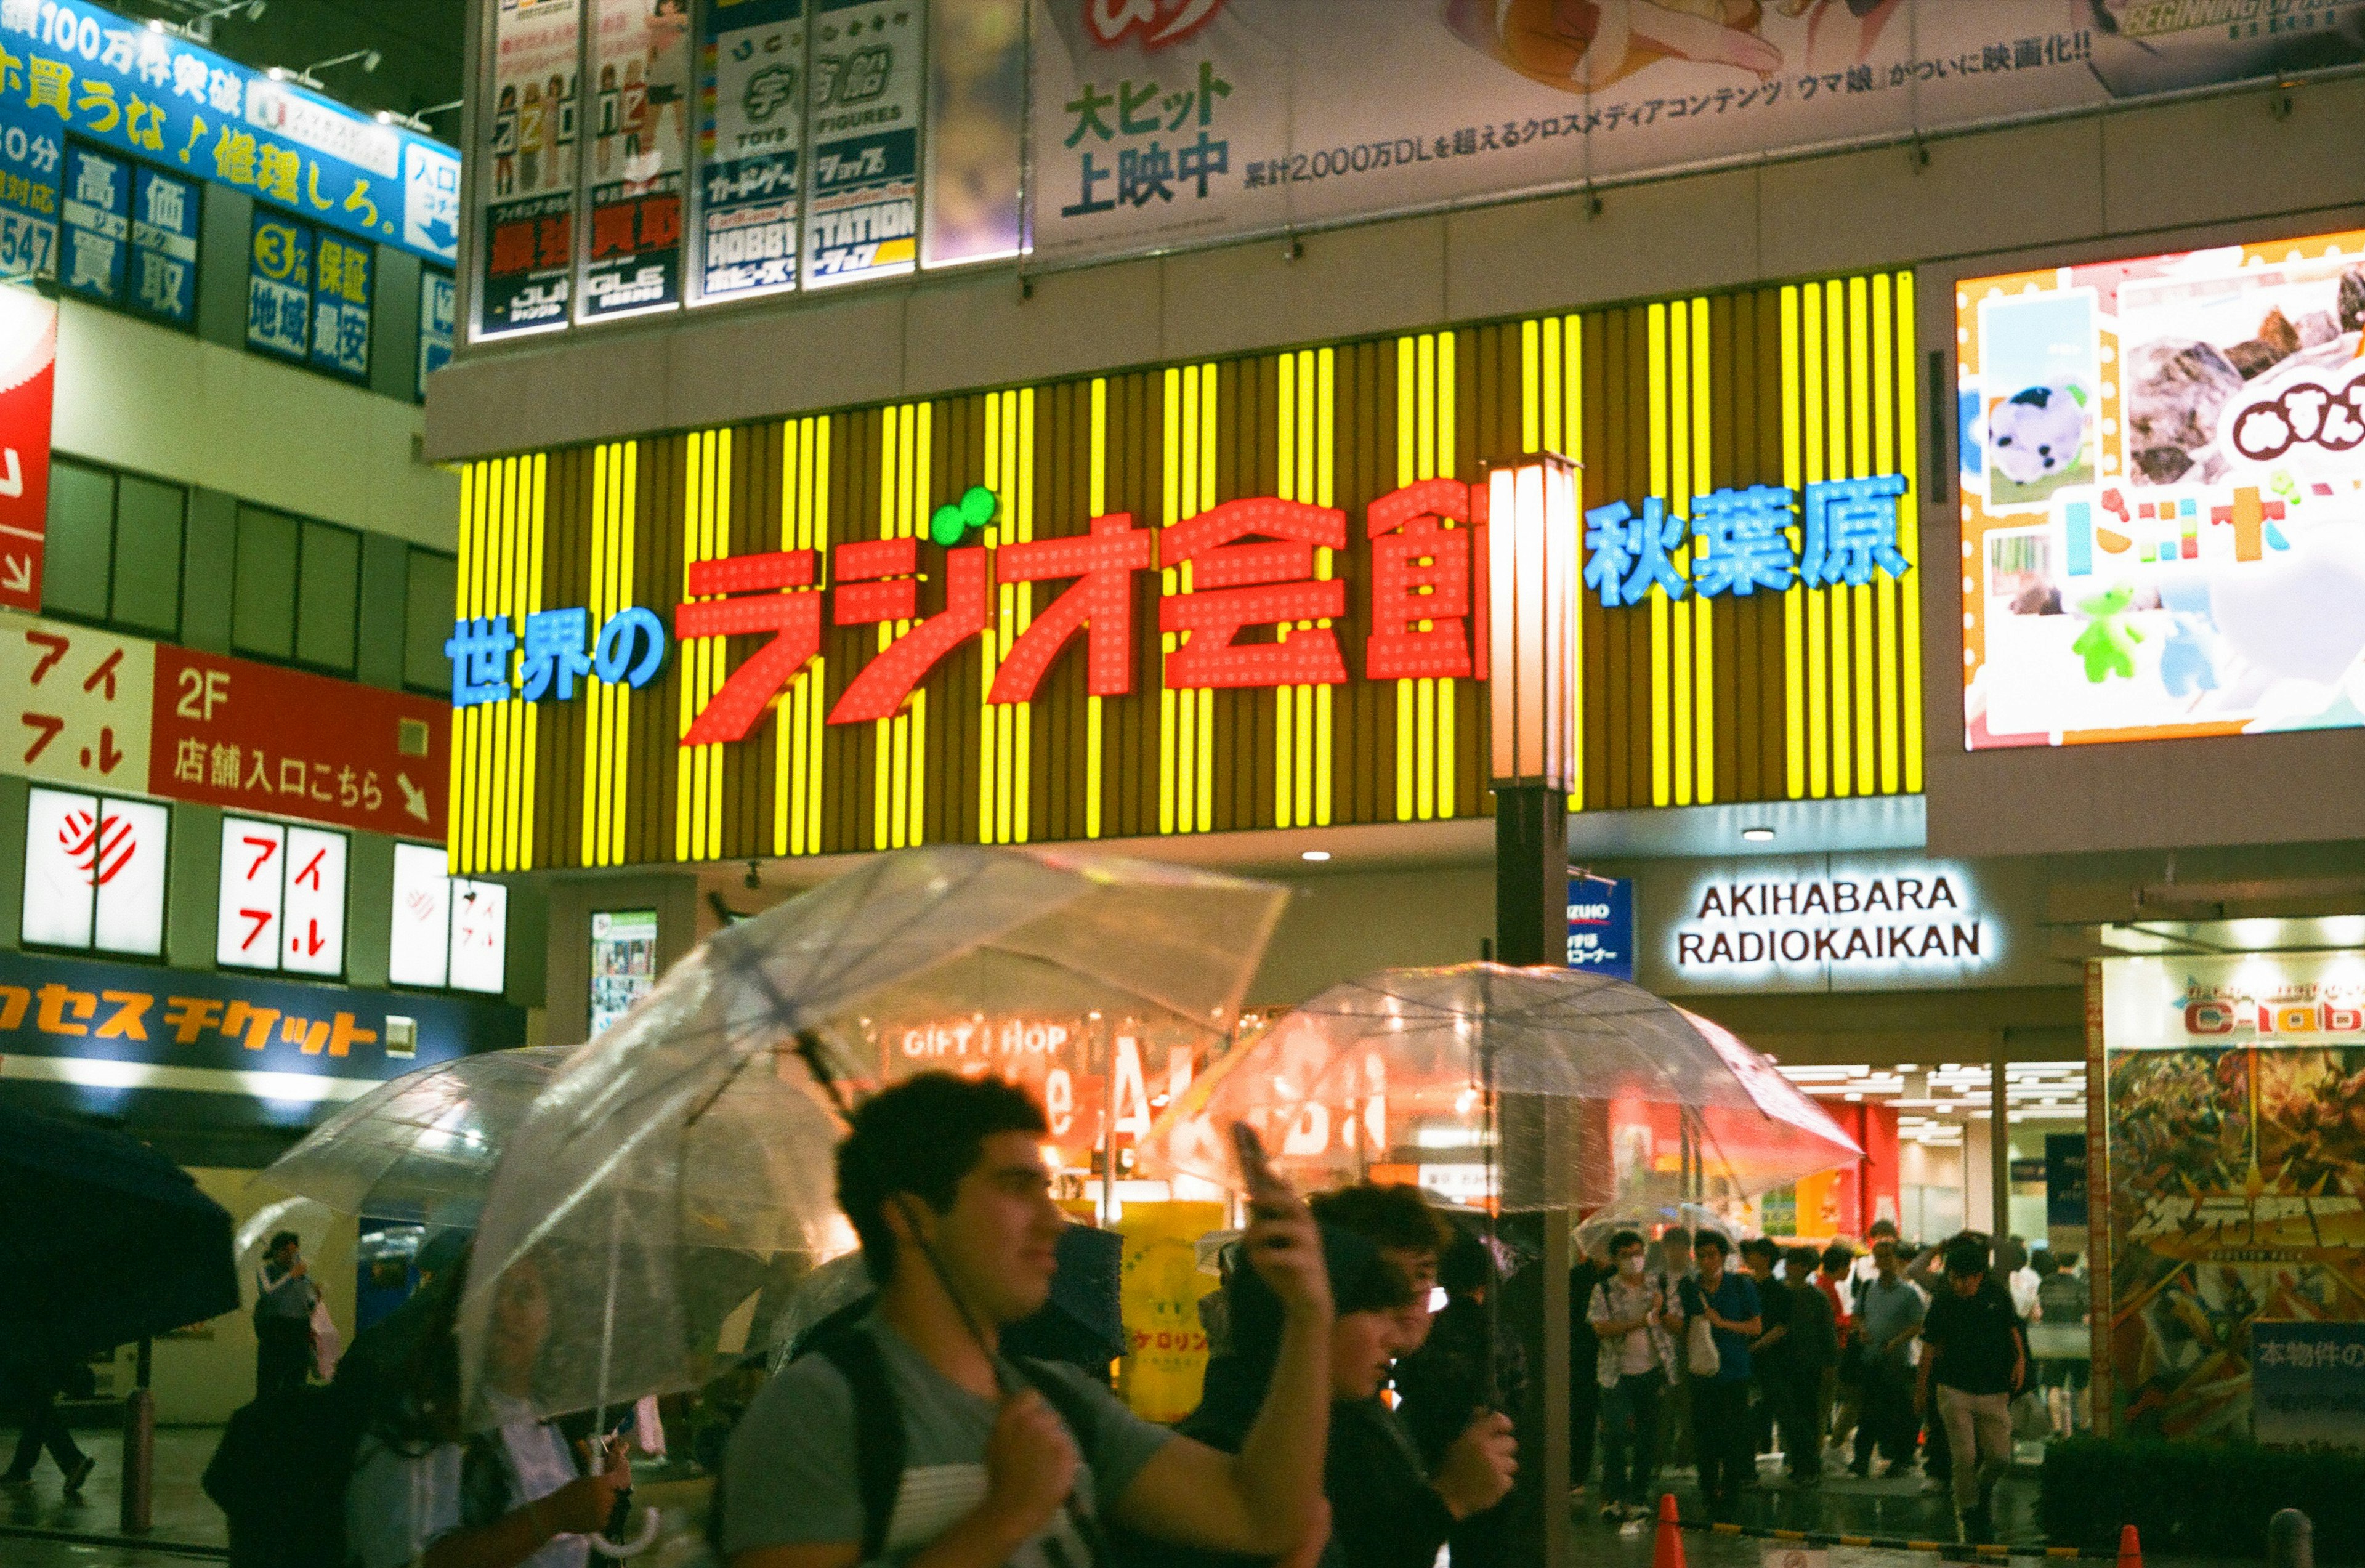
(1781, 921)
(558, 651)
(1601, 925)
(2269, 999)
(1076, 1076)
(1748, 539)
(2163, 483)
(94, 873)
(283, 898)
(446, 930)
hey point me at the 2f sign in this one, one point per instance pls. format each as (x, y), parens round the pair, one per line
(202, 691)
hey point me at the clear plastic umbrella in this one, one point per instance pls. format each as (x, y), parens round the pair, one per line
(1428, 1068)
(421, 1148)
(679, 1167)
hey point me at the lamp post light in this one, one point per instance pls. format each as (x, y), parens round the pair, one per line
(1532, 527)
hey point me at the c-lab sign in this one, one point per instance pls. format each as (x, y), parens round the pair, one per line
(1601, 925)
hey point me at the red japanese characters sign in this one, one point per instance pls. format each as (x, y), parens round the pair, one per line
(228, 732)
(1256, 611)
(79, 703)
(29, 352)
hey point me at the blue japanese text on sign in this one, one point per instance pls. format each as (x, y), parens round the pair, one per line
(862, 217)
(164, 245)
(1601, 925)
(438, 305)
(557, 650)
(54, 1008)
(30, 159)
(98, 223)
(2308, 1381)
(340, 306)
(279, 287)
(68, 66)
(1743, 539)
(751, 134)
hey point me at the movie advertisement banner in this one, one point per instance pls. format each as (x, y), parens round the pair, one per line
(2236, 1186)
(752, 76)
(1160, 122)
(639, 158)
(862, 210)
(2163, 471)
(527, 178)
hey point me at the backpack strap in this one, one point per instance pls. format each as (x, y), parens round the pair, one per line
(1082, 1421)
(879, 1445)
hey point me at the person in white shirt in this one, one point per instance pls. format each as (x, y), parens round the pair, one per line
(1634, 1364)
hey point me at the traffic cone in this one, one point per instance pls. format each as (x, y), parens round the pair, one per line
(1667, 1551)
(2130, 1548)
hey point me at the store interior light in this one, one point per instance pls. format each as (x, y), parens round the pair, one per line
(1316, 855)
(1758, 835)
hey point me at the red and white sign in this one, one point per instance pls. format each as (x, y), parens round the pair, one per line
(312, 917)
(94, 873)
(447, 930)
(258, 738)
(253, 887)
(28, 355)
(79, 714)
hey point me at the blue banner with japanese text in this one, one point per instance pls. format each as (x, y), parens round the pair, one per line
(68, 67)
(279, 287)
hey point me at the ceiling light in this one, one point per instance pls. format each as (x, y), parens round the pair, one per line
(1314, 855)
(1758, 835)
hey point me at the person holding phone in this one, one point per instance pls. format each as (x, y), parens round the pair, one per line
(944, 1180)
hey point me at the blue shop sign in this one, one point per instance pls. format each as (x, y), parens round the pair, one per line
(66, 66)
(279, 287)
(1601, 925)
(98, 223)
(557, 650)
(164, 246)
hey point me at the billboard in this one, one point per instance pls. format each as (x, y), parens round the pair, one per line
(2163, 475)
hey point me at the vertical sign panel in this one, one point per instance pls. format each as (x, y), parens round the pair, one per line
(435, 312)
(30, 156)
(623, 962)
(98, 223)
(863, 210)
(480, 935)
(419, 951)
(59, 898)
(279, 287)
(340, 306)
(641, 48)
(164, 281)
(527, 180)
(29, 352)
(254, 855)
(313, 915)
(751, 138)
(126, 867)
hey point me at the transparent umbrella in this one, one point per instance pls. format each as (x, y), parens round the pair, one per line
(1432, 1069)
(421, 1148)
(679, 1170)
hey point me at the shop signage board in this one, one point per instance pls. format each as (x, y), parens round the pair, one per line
(2307, 1382)
(1601, 925)
(2163, 474)
(1226, 595)
(81, 702)
(106, 1029)
(2065, 1180)
(29, 352)
(753, 80)
(862, 219)
(623, 962)
(2232, 1189)
(94, 872)
(640, 54)
(147, 95)
(1159, 122)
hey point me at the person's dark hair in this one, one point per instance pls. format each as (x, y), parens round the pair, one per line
(1759, 1246)
(1711, 1242)
(1623, 1240)
(922, 1136)
(1966, 1256)
(420, 1404)
(1466, 1269)
(1837, 1256)
(1386, 1215)
(2012, 1255)
(1800, 1262)
(2063, 1262)
(1881, 1227)
(282, 1238)
(2042, 1262)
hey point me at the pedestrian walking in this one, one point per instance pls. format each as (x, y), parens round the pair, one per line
(2061, 1341)
(1813, 1352)
(285, 1296)
(1836, 1404)
(31, 1384)
(1977, 1359)
(1633, 1362)
(1770, 1358)
(1728, 1302)
(1888, 1318)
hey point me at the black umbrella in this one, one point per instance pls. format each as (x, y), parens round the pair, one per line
(103, 1241)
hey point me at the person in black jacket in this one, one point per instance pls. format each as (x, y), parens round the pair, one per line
(1814, 1350)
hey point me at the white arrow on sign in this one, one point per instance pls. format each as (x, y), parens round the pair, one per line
(17, 574)
(13, 486)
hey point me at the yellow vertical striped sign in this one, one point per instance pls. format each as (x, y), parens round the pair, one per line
(1426, 425)
(1302, 713)
(607, 709)
(1005, 732)
(797, 717)
(490, 824)
(1096, 483)
(1682, 630)
(899, 761)
(1186, 720)
(706, 536)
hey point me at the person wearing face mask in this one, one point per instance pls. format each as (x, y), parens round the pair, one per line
(1634, 1361)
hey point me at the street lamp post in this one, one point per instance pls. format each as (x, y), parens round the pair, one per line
(1531, 520)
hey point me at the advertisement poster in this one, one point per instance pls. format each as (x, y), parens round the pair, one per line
(140, 91)
(1601, 925)
(1167, 1359)
(94, 872)
(28, 353)
(81, 702)
(30, 154)
(98, 223)
(527, 176)
(2309, 1383)
(623, 962)
(1159, 122)
(2163, 479)
(164, 246)
(639, 157)
(862, 213)
(752, 75)
(279, 287)
(2236, 1188)
(340, 306)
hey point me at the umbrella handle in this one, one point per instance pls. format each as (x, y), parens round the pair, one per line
(642, 1538)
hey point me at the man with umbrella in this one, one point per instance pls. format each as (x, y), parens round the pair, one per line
(283, 1315)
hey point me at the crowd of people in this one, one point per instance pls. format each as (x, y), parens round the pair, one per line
(1927, 1359)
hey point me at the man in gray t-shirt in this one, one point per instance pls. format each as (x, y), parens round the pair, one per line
(944, 1180)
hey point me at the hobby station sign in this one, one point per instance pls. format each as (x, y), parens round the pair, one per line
(1747, 923)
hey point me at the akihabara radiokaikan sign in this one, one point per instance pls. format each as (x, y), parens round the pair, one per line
(1256, 612)
(1896, 921)
(2163, 495)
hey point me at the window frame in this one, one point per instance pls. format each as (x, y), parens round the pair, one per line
(293, 658)
(161, 957)
(278, 965)
(109, 621)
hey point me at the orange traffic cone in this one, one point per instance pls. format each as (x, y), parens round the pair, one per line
(1667, 1551)
(2130, 1548)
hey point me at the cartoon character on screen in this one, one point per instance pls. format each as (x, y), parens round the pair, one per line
(2108, 643)
(2036, 437)
(505, 142)
(533, 126)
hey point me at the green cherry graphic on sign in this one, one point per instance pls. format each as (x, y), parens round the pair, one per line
(948, 524)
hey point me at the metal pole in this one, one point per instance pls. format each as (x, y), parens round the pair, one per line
(135, 1513)
(2000, 1141)
(2291, 1541)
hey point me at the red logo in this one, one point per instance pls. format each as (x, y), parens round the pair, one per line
(99, 847)
(1157, 23)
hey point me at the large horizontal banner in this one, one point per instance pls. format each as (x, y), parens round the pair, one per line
(1157, 122)
(72, 69)
(2163, 484)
